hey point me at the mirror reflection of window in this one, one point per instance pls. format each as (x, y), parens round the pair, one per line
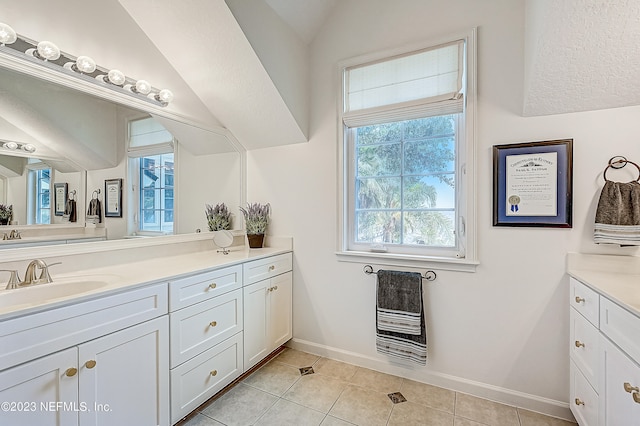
(40, 190)
(151, 153)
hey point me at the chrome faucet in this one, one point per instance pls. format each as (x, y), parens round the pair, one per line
(31, 275)
(13, 235)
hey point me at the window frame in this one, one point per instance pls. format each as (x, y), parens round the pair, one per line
(33, 191)
(465, 257)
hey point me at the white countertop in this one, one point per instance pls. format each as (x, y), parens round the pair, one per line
(135, 274)
(616, 277)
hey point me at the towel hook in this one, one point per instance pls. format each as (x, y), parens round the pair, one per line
(95, 194)
(72, 195)
(428, 275)
(619, 162)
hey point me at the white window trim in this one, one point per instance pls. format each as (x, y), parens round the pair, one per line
(467, 171)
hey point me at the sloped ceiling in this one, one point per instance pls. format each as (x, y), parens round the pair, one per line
(581, 55)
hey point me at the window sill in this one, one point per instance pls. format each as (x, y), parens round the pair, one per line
(408, 261)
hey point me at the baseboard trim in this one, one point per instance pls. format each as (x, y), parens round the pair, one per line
(535, 403)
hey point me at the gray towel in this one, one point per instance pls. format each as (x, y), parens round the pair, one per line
(399, 307)
(94, 212)
(618, 214)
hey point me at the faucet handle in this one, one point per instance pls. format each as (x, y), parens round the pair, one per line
(45, 277)
(14, 280)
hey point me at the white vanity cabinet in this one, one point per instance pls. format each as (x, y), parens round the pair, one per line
(206, 323)
(605, 360)
(112, 370)
(268, 306)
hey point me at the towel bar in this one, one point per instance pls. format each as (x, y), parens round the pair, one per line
(428, 275)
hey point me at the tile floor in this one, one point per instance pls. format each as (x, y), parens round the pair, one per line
(297, 388)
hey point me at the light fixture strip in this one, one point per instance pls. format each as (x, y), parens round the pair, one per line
(19, 48)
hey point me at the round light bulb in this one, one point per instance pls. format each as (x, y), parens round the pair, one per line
(48, 51)
(11, 145)
(7, 34)
(116, 77)
(143, 87)
(165, 96)
(28, 148)
(85, 64)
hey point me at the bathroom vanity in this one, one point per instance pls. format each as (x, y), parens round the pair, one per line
(144, 342)
(604, 339)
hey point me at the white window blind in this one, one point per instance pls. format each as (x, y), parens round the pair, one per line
(147, 137)
(420, 84)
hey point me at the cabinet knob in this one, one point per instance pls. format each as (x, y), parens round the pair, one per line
(213, 285)
(90, 364)
(579, 299)
(579, 401)
(579, 344)
(275, 287)
(629, 388)
(71, 372)
(214, 373)
(213, 323)
(636, 397)
(271, 268)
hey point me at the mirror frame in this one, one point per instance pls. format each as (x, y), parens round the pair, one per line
(13, 62)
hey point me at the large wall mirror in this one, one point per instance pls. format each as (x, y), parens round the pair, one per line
(82, 140)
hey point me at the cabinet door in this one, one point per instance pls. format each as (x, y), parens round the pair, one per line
(43, 392)
(621, 378)
(280, 310)
(256, 322)
(124, 376)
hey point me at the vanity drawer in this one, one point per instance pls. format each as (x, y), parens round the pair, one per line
(26, 338)
(198, 379)
(584, 346)
(187, 291)
(203, 325)
(621, 326)
(584, 300)
(583, 399)
(259, 270)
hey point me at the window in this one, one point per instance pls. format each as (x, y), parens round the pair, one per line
(151, 152)
(39, 196)
(407, 150)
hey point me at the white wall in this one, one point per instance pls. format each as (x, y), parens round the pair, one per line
(501, 332)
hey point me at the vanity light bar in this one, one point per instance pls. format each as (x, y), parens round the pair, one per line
(49, 55)
(15, 146)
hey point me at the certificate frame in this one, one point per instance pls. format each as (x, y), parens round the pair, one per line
(113, 198)
(61, 192)
(533, 184)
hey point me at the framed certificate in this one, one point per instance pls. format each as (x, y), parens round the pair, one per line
(533, 183)
(60, 198)
(113, 198)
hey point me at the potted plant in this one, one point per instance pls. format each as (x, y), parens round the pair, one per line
(218, 217)
(6, 212)
(256, 219)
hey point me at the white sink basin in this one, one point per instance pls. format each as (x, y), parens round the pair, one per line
(37, 294)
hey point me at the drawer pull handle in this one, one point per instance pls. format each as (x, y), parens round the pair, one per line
(579, 344)
(71, 372)
(579, 299)
(275, 287)
(213, 323)
(213, 285)
(271, 268)
(636, 397)
(90, 364)
(214, 373)
(579, 401)
(629, 388)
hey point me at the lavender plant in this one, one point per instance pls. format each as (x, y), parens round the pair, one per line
(6, 211)
(218, 217)
(256, 217)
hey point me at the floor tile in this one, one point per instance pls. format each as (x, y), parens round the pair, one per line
(485, 411)
(362, 406)
(242, 405)
(337, 369)
(201, 420)
(377, 381)
(286, 412)
(430, 396)
(334, 421)
(297, 358)
(461, 421)
(530, 418)
(274, 377)
(316, 391)
(409, 413)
